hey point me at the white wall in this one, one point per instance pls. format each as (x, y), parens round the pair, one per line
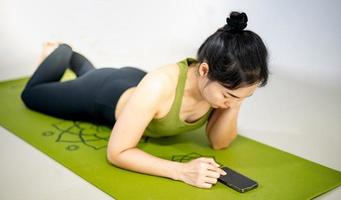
(303, 37)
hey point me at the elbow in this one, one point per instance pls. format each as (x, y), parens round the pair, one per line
(223, 144)
(112, 156)
(219, 147)
(115, 156)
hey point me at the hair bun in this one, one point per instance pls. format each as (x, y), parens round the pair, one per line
(237, 21)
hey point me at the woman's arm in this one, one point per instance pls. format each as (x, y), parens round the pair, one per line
(129, 128)
(221, 129)
(137, 160)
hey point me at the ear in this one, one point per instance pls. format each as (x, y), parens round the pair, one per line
(203, 69)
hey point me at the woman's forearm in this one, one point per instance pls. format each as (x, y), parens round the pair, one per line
(137, 160)
(224, 129)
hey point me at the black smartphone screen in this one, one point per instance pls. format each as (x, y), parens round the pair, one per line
(236, 180)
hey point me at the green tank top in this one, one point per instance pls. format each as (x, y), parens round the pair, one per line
(171, 124)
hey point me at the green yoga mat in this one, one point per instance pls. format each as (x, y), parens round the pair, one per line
(81, 147)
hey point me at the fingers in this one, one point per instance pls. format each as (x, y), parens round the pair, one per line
(206, 185)
(212, 174)
(210, 180)
(210, 161)
(215, 169)
(215, 172)
(211, 167)
(220, 171)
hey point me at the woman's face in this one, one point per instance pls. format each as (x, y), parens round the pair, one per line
(219, 96)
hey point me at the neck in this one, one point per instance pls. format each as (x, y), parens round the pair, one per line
(192, 86)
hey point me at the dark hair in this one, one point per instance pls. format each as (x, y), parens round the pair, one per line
(236, 57)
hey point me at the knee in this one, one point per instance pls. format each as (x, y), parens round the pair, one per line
(65, 49)
(26, 98)
(65, 46)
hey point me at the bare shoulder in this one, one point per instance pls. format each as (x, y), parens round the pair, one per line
(158, 83)
(163, 77)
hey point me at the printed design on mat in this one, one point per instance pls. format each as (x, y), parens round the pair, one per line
(191, 156)
(78, 133)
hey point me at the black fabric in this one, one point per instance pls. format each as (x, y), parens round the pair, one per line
(92, 96)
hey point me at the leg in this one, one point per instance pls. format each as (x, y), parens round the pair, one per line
(46, 94)
(60, 99)
(53, 67)
(79, 64)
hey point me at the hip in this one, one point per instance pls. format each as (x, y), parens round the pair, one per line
(112, 88)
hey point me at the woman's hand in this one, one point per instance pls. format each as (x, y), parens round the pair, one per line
(201, 172)
(234, 104)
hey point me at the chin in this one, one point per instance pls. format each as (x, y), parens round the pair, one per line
(214, 106)
(221, 107)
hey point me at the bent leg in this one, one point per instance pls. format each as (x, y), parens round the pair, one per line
(60, 99)
(45, 93)
(53, 66)
(80, 65)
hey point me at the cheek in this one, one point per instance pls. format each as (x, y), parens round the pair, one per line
(208, 95)
(214, 96)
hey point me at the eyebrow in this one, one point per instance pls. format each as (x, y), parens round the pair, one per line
(236, 96)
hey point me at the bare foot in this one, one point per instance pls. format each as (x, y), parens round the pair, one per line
(48, 48)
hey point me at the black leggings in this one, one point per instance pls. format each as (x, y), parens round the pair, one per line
(92, 96)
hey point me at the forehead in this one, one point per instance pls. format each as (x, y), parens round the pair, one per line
(240, 92)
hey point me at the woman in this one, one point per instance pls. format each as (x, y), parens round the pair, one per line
(170, 100)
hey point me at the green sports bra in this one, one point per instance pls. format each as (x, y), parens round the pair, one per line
(171, 124)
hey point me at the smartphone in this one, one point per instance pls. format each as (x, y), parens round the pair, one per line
(236, 180)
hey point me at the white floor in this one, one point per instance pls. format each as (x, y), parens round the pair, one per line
(298, 118)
